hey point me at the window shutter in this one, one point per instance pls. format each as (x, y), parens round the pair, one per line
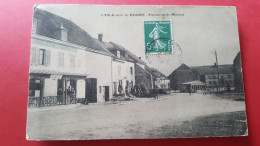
(33, 55)
(37, 58)
(48, 57)
(61, 59)
(72, 61)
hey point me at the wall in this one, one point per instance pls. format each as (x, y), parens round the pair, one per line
(125, 74)
(100, 67)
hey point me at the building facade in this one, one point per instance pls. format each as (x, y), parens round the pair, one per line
(66, 64)
(123, 70)
(212, 76)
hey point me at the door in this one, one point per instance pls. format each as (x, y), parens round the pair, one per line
(106, 94)
(91, 90)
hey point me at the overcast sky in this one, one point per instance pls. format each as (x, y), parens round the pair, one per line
(200, 32)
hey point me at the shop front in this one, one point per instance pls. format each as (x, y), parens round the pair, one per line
(56, 89)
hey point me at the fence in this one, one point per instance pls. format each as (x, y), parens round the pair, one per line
(51, 100)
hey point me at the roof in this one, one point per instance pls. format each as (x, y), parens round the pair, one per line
(130, 54)
(182, 67)
(111, 46)
(155, 72)
(212, 69)
(197, 82)
(49, 24)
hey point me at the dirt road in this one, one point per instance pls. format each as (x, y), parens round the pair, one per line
(141, 118)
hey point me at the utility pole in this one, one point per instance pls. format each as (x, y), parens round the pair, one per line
(217, 69)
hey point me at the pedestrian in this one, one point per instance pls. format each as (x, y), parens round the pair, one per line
(189, 89)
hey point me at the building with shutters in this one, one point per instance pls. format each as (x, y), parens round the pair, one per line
(66, 63)
(123, 71)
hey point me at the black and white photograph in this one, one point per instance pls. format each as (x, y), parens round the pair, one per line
(135, 72)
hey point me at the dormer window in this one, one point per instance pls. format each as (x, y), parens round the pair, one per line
(118, 54)
(64, 33)
(34, 26)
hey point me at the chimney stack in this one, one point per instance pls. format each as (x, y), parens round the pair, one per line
(100, 37)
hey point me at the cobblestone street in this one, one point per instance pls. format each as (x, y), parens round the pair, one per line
(140, 118)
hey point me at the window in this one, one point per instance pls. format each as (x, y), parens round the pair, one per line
(34, 26)
(131, 70)
(79, 62)
(72, 61)
(61, 59)
(33, 55)
(40, 56)
(118, 54)
(119, 69)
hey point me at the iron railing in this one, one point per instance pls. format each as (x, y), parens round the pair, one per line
(51, 100)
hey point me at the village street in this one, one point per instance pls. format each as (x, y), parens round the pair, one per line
(169, 116)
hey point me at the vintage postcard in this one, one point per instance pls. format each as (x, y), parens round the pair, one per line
(134, 72)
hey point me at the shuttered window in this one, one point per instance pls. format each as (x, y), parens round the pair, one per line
(72, 61)
(131, 70)
(79, 62)
(33, 56)
(119, 69)
(61, 59)
(40, 56)
(48, 57)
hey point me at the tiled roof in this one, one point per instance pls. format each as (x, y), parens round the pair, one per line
(49, 24)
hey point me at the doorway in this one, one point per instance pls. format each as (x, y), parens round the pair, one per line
(91, 90)
(106, 93)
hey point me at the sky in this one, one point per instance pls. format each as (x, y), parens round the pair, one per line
(197, 33)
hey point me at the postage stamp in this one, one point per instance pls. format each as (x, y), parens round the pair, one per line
(158, 37)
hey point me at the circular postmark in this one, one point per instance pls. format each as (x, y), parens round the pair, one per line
(159, 46)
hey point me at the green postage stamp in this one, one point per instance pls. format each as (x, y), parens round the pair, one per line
(158, 37)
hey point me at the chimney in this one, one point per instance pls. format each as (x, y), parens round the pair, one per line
(100, 37)
(64, 33)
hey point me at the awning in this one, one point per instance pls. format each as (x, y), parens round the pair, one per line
(51, 72)
(197, 82)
